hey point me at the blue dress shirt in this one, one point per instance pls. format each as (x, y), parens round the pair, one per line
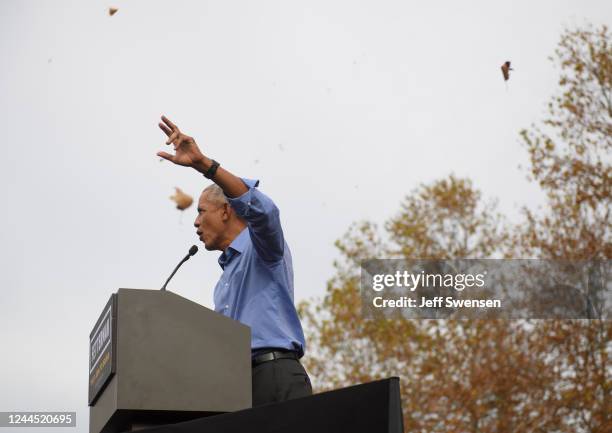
(256, 287)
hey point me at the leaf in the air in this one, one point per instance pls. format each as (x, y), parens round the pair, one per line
(182, 200)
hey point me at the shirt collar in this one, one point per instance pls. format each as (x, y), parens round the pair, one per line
(236, 247)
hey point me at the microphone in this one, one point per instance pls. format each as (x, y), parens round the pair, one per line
(192, 252)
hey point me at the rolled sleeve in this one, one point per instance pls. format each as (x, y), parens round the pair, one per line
(263, 220)
(242, 203)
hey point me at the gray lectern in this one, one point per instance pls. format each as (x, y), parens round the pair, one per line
(158, 358)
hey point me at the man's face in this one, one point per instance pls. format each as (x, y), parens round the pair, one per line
(210, 223)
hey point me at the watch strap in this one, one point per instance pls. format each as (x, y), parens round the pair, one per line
(210, 173)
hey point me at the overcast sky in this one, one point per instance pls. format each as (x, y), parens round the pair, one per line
(340, 108)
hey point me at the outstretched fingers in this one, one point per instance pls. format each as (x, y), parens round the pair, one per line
(170, 129)
(167, 121)
(166, 156)
(164, 128)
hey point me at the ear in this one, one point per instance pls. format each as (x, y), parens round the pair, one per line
(227, 212)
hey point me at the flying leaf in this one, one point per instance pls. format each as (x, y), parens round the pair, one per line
(506, 70)
(182, 200)
(112, 11)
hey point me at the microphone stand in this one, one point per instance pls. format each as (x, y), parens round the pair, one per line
(192, 251)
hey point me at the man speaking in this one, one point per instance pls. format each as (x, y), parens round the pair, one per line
(256, 287)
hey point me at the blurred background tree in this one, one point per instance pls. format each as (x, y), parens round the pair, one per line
(494, 375)
(570, 154)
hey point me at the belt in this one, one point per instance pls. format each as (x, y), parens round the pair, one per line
(271, 356)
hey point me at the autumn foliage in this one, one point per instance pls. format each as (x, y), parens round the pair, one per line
(491, 375)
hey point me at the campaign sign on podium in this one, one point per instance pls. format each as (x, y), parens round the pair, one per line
(102, 349)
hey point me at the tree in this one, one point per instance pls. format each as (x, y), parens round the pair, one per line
(570, 154)
(570, 159)
(444, 219)
(491, 376)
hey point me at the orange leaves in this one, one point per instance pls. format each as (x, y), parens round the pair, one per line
(492, 376)
(445, 219)
(570, 158)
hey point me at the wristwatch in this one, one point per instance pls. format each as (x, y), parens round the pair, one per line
(208, 174)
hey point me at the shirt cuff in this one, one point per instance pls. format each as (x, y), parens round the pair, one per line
(250, 183)
(242, 203)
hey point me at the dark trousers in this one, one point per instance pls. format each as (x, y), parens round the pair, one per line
(279, 380)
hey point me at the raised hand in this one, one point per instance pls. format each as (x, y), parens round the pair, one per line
(186, 151)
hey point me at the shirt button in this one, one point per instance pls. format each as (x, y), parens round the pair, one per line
(226, 306)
